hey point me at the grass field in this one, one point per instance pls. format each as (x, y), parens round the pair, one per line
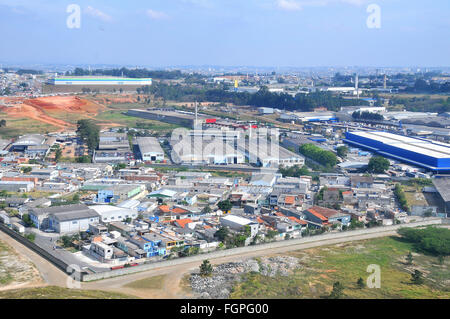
(14, 269)
(20, 126)
(155, 282)
(116, 116)
(52, 292)
(321, 267)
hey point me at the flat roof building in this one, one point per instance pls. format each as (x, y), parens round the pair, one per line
(150, 149)
(432, 155)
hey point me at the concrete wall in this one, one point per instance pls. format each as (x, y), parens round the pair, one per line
(241, 250)
(57, 262)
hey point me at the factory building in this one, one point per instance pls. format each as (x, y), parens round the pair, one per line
(431, 155)
(150, 150)
(113, 148)
(301, 117)
(79, 84)
(103, 80)
(190, 151)
(24, 142)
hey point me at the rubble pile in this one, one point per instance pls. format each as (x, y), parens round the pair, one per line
(225, 276)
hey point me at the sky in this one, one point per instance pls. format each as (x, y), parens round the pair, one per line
(269, 33)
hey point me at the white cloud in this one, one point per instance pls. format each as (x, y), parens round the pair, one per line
(156, 15)
(98, 14)
(296, 5)
(289, 5)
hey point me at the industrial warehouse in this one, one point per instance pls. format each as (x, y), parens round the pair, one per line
(431, 155)
(97, 83)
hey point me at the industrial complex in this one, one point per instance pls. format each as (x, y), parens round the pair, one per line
(428, 154)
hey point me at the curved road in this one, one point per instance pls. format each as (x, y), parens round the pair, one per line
(54, 276)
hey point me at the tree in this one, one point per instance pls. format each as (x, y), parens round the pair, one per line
(378, 165)
(342, 151)
(338, 291)
(409, 258)
(84, 159)
(58, 155)
(222, 233)
(417, 277)
(26, 169)
(225, 205)
(88, 132)
(360, 283)
(27, 220)
(206, 210)
(206, 268)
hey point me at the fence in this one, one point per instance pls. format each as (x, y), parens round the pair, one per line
(254, 248)
(42, 252)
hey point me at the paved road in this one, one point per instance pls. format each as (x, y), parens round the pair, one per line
(117, 283)
(54, 276)
(44, 242)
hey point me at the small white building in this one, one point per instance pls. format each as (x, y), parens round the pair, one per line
(150, 149)
(110, 213)
(238, 223)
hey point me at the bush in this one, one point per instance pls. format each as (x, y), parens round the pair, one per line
(325, 158)
(378, 165)
(432, 240)
(401, 198)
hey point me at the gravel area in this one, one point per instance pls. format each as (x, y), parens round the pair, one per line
(225, 276)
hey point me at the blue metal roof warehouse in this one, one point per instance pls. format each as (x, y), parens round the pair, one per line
(431, 155)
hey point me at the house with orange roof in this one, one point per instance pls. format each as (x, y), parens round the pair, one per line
(183, 222)
(325, 216)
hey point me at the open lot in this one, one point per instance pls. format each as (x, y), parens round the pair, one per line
(346, 262)
(15, 270)
(53, 292)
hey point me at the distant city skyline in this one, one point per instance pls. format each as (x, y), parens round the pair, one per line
(253, 33)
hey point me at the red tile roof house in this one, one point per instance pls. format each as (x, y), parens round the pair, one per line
(326, 216)
(183, 222)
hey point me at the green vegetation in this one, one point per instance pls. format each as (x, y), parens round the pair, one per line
(154, 282)
(342, 151)
(419, 182)
(417, 277)
(131, 73)
(53, 292)
(401, 198)
(222, 233)
(206, 268)
(118, 117)
(323, 157)
(26, 169)
(27, 220)
(31, 237)
(357, 115)
(337, 292)
(88, 132)
(424, 103)
(294, 171)
(378, 165)
(83, 159)
(225, 205)
(20, 126)
(346, 263)
(431, 240)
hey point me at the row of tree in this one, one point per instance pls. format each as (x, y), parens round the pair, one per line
(130, 73)
(321, 156)
(88, 132)
(262, 98)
